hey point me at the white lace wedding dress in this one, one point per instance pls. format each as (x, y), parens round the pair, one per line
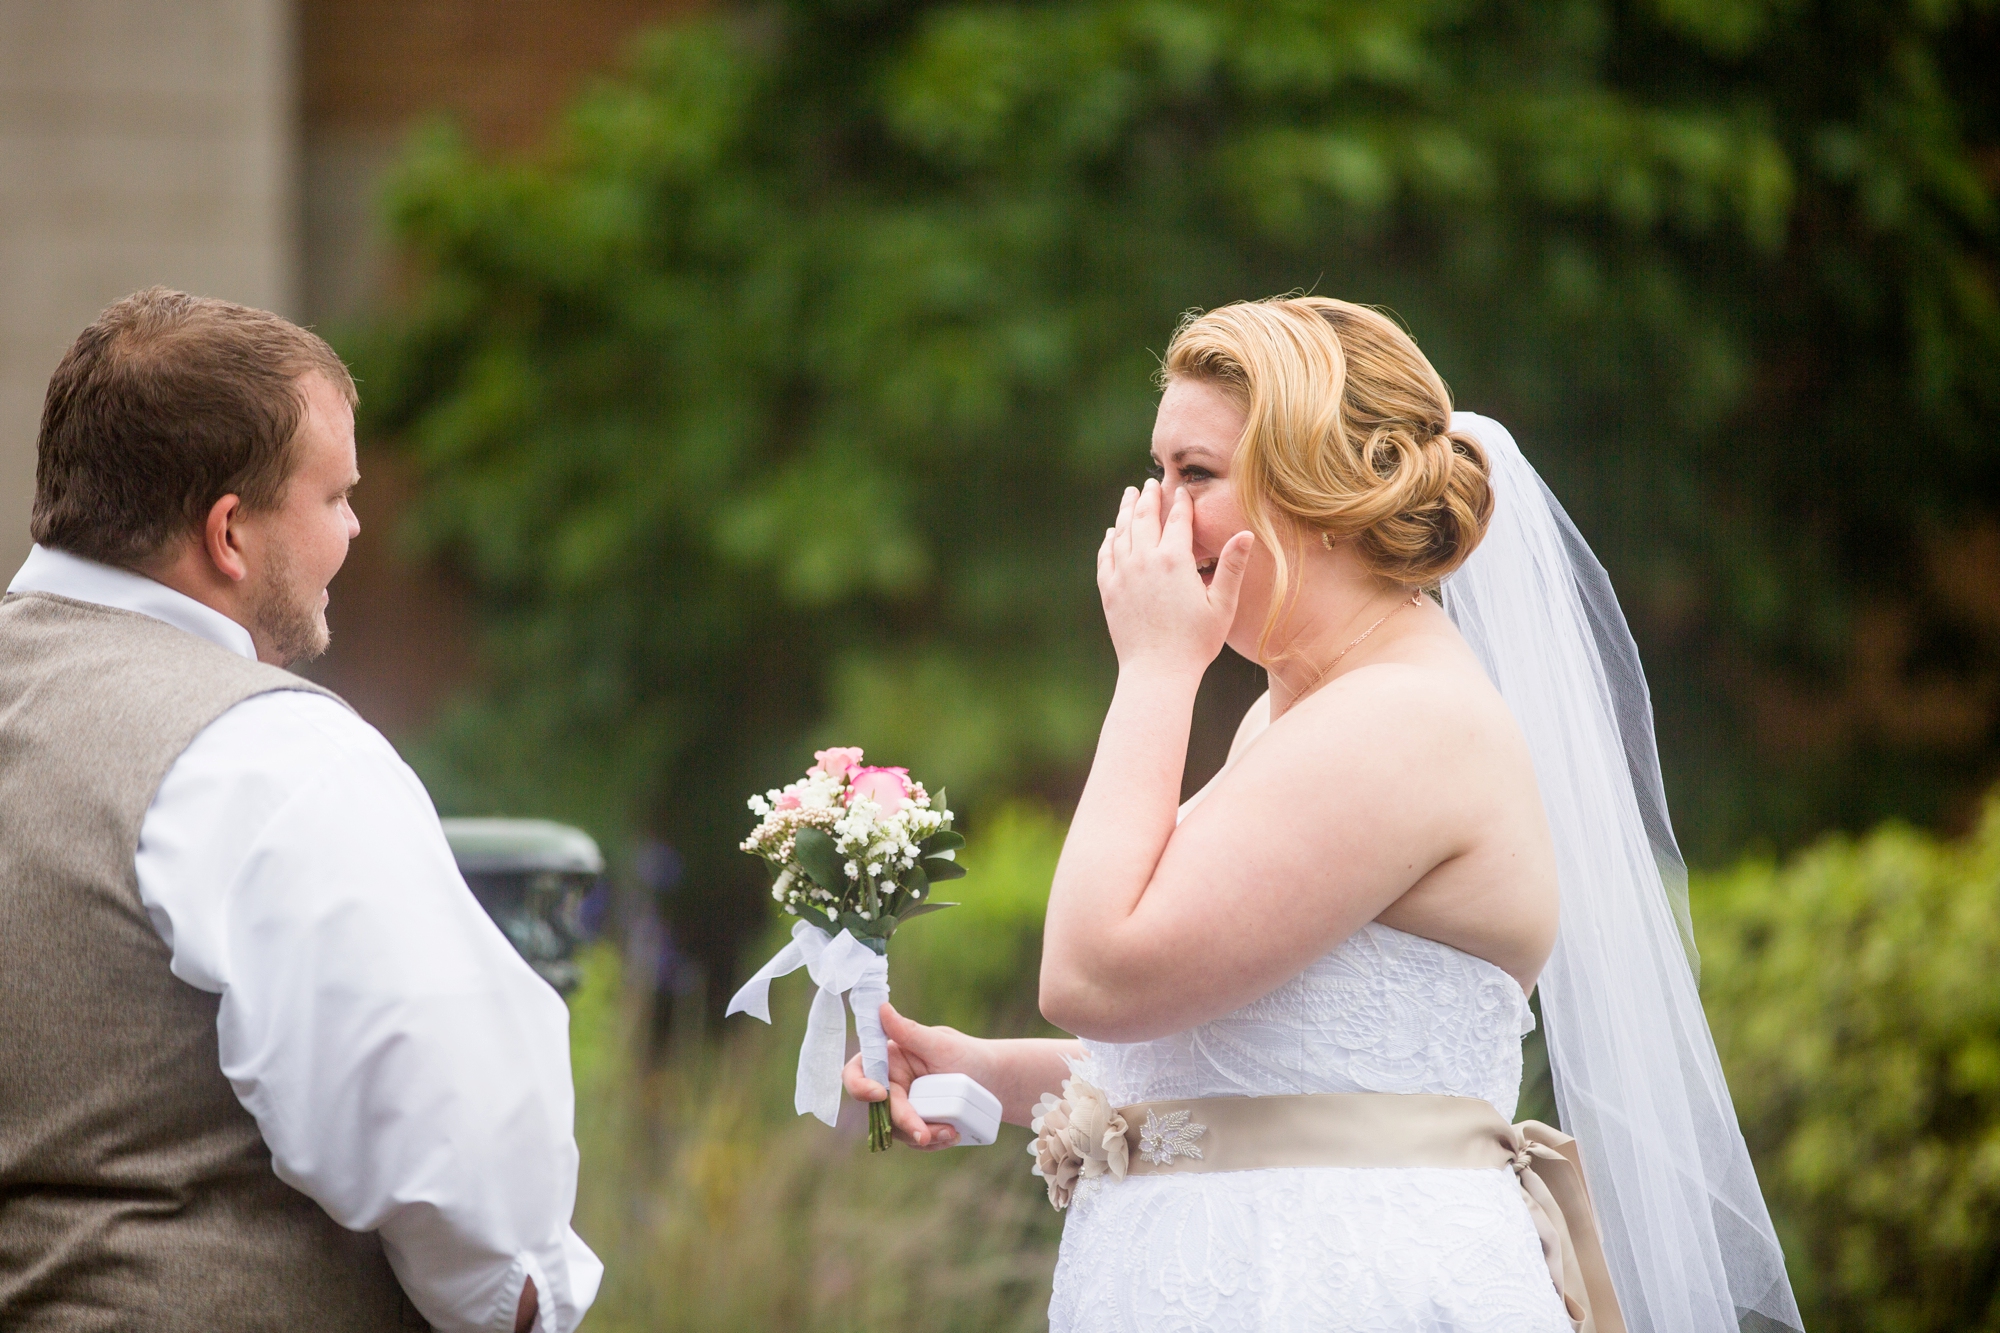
(1375, 1250)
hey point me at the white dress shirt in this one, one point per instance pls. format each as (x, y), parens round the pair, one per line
(408, 1070)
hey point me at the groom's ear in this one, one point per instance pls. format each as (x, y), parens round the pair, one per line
(209, 562)
(221, 539)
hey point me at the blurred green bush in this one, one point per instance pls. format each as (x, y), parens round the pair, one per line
(1854, 993)
(977, 967)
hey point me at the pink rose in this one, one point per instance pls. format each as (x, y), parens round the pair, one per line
(789, 801)
(889, 788)
(838, 760)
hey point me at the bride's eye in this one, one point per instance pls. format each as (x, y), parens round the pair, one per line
(1156, 472)
(1194, 474)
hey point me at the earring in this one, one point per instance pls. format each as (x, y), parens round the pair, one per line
(1326, 540)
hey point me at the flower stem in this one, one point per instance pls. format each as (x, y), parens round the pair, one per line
(878, 1126)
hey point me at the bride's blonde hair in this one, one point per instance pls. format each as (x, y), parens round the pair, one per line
(1347, 432)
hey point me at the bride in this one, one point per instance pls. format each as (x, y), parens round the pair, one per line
(1301, 996)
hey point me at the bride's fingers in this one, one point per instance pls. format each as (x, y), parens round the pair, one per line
(1177, 533)
(912, 1128)
(908, 1044)
(1227, 585)
(859, 1086)
(1146, 518)
(1121, 531)
(917, 1042)
(908, 1125)
(902, 1072)
(902, 1069)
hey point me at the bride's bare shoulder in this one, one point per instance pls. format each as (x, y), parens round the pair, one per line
(1444, 699)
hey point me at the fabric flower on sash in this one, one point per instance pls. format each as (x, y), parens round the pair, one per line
(1078, 1136)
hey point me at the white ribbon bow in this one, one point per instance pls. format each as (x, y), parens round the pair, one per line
(836, 964)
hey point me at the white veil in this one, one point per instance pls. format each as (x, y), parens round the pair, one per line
(1637, 1080)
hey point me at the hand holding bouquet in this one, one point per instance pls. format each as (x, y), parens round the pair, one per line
(853, 852)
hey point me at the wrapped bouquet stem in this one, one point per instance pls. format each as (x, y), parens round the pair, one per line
(853, 852)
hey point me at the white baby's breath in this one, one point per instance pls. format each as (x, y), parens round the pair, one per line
(875, 849)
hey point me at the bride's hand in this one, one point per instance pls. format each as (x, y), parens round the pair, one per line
(1156, 605)
(915, 1050)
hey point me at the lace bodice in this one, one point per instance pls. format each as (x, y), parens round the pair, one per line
(1320, 1250)
(1385, 1011)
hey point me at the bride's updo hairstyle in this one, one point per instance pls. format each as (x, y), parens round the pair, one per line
(1347, 433)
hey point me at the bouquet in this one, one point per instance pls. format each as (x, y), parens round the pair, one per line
(853, 852)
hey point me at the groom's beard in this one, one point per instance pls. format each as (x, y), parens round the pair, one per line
(287, 616)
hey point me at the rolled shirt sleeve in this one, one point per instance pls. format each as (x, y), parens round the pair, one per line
(408, 1070)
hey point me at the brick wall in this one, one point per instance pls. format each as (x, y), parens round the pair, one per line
(369, 70)
(503, 67)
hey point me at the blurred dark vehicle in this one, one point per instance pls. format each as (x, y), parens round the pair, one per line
(533, 877)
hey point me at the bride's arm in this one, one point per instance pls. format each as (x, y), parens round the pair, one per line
(1166, 628)
(1313, 833)
(1017, 1071)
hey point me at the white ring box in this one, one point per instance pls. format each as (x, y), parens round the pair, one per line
(956, 1100)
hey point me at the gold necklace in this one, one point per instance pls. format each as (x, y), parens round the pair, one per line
(1416, 599)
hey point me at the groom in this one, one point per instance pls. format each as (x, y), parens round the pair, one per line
(264, 1063)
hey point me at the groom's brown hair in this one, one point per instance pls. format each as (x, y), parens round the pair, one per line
(163, 406)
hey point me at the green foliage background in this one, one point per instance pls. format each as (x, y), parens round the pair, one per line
(780, 396)
(777, 401)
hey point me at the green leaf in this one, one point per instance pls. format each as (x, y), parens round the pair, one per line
(818, 918)
(874, 934)
(816, 855)
(944, 840)
(923, 909)
(938, 871)
(915, 882)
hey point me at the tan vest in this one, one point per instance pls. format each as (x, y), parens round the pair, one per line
(135, 1191)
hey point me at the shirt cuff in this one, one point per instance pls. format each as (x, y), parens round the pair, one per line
(562, 1301)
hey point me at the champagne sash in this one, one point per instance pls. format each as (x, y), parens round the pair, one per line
(1358, 1129)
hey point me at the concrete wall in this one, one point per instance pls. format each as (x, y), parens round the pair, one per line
(371, 70)
(140, 142)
